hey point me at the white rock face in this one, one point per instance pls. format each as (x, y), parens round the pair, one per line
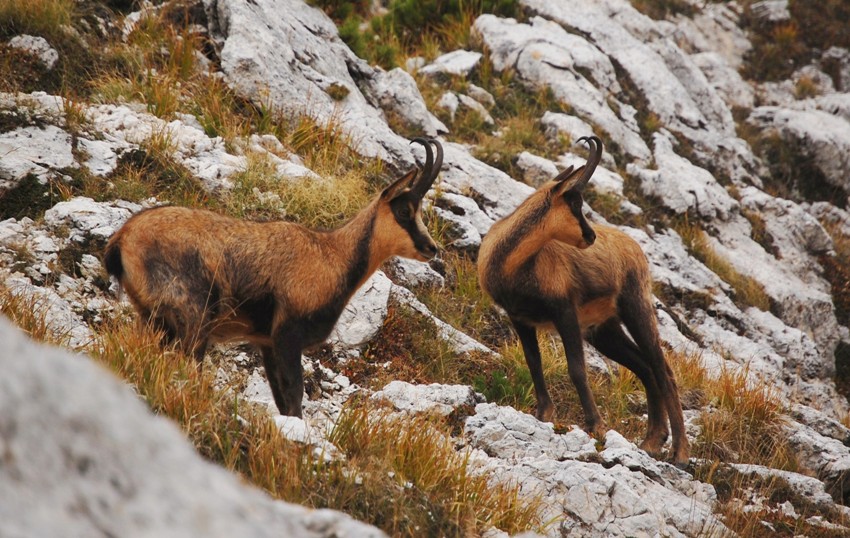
(725, 80)
(433, 398)
(38, 47)
(682, 186)
(458, 62)
(414, 273)
(33, 150)
(715, 28)
(495, 193)
(536, 170)
(205, 157)
(109, 466)
(545, 55)
(292, 62)
(615, 501)
(89, 219)
(396, 91)
(364, 314)
(504, 432)
(807, 487)
(673, 86)
(827, 457)
(821, 135)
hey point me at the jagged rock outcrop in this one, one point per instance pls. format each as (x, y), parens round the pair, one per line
(292, 63)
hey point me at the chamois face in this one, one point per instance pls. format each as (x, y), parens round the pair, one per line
(400, 223)
(565, 219)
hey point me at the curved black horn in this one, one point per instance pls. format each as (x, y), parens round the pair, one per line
(429, 161)
(438, 161)
(420, 188)
(595, 144)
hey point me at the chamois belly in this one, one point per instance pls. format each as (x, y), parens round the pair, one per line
(541, 314)
(252, 323)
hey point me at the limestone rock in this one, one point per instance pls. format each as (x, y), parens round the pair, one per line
(33, 150)
(38, 47)
(508, 434)
(681, 185)
(414, 273)
(535, 170)
(364, 314)
(299, 65)
(88, 219)
(817, 134)
(85, 457)
(545, 55)
(458, 62)
(433, 398)
(396, 91)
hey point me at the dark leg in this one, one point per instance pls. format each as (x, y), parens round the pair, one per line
(639, 317)
(612, 342)
(528, 339)
(290, 377)
(271, 374)
(568, 328)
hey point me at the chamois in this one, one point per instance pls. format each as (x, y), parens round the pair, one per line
(547, 268)
(201, 277)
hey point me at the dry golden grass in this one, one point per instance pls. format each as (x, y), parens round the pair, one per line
(30, 314)
(748, 291)
(404, 476)
(36, 16)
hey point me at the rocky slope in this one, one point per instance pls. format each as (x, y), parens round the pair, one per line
(614, 67)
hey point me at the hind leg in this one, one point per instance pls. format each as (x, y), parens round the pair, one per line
(612, 342)
(639, 317)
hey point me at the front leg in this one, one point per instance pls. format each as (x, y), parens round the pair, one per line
(287, 377)
(528, 338)
(570, 331)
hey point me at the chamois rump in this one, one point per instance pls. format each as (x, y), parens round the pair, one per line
(201, 277)
(547, 268)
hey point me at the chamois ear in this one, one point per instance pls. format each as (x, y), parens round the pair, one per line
(567, 180)
(400, 186)
(574, 180)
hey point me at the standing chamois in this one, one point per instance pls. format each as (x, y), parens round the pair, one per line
(200, 277)
(547, 268)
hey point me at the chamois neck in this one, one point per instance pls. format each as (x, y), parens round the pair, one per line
(353, 243)
(525, 235)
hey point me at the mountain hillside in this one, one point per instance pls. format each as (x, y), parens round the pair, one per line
(726, 128)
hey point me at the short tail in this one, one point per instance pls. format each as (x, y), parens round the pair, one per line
(112, 260)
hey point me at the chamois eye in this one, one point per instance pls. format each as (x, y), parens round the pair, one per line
(404, 213)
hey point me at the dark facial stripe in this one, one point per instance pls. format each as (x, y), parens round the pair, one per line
(408, 223)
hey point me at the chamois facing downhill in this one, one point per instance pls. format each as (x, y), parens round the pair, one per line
(200, 277)
(547, 268)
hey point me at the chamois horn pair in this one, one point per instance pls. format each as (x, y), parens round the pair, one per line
(431, 168)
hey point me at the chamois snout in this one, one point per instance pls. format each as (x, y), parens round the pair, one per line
(588, 237)
(428, 251)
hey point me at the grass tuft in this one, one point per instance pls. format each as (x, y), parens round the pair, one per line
(748, 291)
